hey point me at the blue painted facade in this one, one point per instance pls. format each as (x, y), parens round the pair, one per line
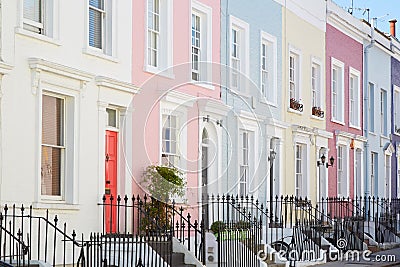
(249, 110)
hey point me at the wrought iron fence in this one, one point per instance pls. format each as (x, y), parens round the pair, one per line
(27, 239)
(146, 215)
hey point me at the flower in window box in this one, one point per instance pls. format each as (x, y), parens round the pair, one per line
(317, 111)
(296, 105)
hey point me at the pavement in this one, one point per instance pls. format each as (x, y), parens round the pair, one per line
(384, 258)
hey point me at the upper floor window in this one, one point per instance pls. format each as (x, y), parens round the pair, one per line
(294, 75)
(235, 58)
(159, 41)
(196, 46)
(170, 140)
(354, 98)
(239, 51)
(201, 41)
(53, 146)
(34, 15)
(153, 27)
(383, 112)
(316, 88)
(371, 107)
(396, 109)
(337, 91)
(100, 25)
(268, 67)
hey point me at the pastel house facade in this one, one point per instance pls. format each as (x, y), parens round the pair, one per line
(344, 100)
(251, 50)
(178, 116)
(65, 88)
(377, 108)
(303, 98)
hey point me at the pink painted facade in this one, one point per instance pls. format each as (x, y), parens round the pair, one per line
(184, 97)
(350, 52)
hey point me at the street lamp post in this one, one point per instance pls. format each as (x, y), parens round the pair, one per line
(271, 159)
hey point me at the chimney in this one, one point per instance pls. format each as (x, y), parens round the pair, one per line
(393, 27)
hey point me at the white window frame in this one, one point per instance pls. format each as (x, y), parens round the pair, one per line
(50, 23)
(374, 158)
(269, 91)
(103, 23)
(165, 44)
(354, 96)
(168, 155)
(61, 147)
(301, 190)
(388, 174)
(296, 53)
(396, 109)
(244, 162)
(68, 178)
(371, 107)
(343, 184)
(316, 63)
(205, 68)
(243, 30)
(336, 116)
(383, 110)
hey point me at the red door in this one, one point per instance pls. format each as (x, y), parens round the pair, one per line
(111, 181)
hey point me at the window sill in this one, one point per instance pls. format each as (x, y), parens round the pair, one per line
(355, 127)
(338, 122)
(96, 53)
(317, 118)
(266, 102)
(164, 73)
(294, 111)
(37, 36)
(385, 137)
(55, 205)
(204, 85)
(372, 133)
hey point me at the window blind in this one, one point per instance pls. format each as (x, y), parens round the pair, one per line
(96, 13)
(52, 145)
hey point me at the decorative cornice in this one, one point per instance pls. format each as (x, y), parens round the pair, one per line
(52, 67)
(116, 85)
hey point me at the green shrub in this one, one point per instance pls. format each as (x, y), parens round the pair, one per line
(218, 226)
(242, 225)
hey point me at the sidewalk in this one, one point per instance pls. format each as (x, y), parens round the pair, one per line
(391, 258)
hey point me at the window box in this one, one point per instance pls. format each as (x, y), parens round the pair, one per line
(296, 105)
(317, 111)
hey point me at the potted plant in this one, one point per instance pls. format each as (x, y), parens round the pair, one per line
(162, 182)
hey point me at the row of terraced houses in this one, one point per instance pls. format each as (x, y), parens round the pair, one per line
(269, 99)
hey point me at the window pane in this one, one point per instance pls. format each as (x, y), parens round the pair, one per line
(52, 121)
(97, 4)
(33, 10)
(112, 117)
(95, 28)
(51, 171)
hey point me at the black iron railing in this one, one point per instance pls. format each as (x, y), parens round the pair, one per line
(147, 216)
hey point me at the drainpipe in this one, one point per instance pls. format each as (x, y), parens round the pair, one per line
(366, 108)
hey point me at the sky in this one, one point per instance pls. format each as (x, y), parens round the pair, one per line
(384, 10)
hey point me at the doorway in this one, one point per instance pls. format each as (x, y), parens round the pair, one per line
(111, 180)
